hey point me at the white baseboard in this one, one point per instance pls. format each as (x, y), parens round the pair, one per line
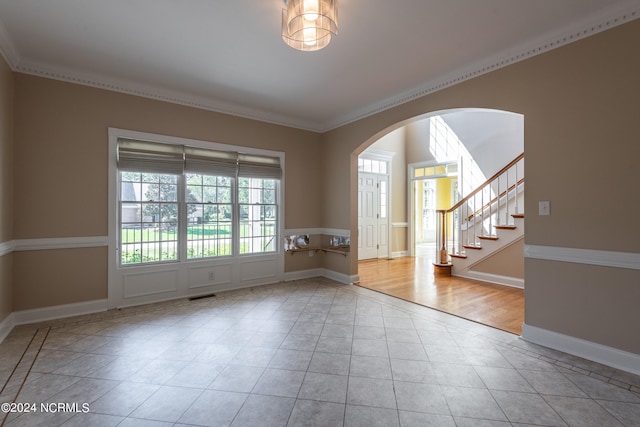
(339, 277)
(493, 278)
(6, 326)
(43, 314)
(619, 359)
(399, 254)
(303, 274)
(321, 272)
(24, 317)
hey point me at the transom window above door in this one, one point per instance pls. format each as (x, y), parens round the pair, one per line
(372, 166)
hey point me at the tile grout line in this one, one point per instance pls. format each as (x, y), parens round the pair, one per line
(18, 363)
(26, 352)
(234, 294)
(593, 374)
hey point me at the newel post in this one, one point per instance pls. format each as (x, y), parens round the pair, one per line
(442, 266)
(443, 257)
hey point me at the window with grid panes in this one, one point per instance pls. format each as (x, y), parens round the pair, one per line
(209, 216)
(149, 217)
(180, 203)
(258, 215)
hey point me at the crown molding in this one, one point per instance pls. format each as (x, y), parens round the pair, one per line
(7, 48)
(159, 94)
(608, 19)
(611, 18)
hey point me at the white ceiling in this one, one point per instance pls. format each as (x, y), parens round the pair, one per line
(227, 55)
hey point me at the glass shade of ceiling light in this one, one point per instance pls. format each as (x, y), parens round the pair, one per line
(309, 24)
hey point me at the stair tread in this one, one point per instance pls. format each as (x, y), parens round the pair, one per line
(506, 227)
(458, 256)
(472, 246)
(488, 237)
(519, 215)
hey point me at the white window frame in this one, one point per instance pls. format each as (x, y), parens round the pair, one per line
(187, 276)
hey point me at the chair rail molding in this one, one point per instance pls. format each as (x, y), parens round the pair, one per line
(59, 243)
(7, 247)
(628, 260)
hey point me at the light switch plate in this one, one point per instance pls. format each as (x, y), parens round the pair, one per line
(544, 207)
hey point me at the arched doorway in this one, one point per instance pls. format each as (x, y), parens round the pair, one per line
(437, 159)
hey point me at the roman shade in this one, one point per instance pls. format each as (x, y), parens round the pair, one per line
(210, 162)
(254, 166)
(152, 157)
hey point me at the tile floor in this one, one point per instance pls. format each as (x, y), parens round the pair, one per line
(309, 352)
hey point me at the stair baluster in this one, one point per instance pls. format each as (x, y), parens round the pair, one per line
(466, 215)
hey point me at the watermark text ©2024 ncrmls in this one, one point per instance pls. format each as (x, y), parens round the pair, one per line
(45, 407)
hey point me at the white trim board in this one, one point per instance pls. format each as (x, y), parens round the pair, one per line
(321, 272)
(619, 359)
(6, 326)
(584, 256)
(54, 312)
(99, 241)
(303, 274)
(323, 231)
(60, 243)
(514, 282)
(52, 243)
(399, 254)
(7, 247)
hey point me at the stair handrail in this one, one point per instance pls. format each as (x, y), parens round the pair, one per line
(484, 184)
(442, 232)
(496, 198)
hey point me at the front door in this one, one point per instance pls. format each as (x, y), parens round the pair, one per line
(373, 216)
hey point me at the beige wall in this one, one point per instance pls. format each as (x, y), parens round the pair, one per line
(395, 142)
(6, 187)
(580, 106)
(61, 169)
(61, 276)
(508, 261)
(418, 142)
(596, 303)
(61, 153)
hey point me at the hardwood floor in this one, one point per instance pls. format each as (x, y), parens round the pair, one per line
(412, 279)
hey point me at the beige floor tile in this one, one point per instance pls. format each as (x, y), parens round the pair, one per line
(308, 352)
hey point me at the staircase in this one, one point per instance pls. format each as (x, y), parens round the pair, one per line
(484, 222)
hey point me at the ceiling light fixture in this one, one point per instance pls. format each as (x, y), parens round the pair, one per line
(309, 24)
